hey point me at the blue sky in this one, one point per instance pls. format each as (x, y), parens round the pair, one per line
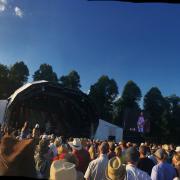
(139, 42)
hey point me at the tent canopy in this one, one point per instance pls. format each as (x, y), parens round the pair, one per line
(105, 130)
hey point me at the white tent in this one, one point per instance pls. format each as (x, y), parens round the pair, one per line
(3, 104)
(105, 130)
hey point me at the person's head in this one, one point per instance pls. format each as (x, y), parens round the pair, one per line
(115, 170)
(92, 152)
(176, 159)
(132, 155)
(62, 149)
(142, 151)
(104, 148)
(160, 155)
(118, 151)
(112, 146)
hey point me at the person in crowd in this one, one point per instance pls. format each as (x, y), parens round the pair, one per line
(111, 152)
(92, 152)
(152, 156)
(97, 167)
(144, 163)
(134, 173)
(115, 169)
(81, 154)
(54, 146)
(43, 159)
(25, 131)
(62, 151)
(163, 170)
(176, 163)
(123, 146)
(169, 155)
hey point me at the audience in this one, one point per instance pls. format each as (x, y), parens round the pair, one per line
(78, 159)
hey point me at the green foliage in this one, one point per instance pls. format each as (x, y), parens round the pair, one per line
(12, 78)
(72, 80)
(103, 93)
(4, 73)
(18, 75)
(45, 72)
(131, 94)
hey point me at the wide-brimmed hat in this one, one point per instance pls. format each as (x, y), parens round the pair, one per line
(63, 170)
(160, 154)
(177, 149)
(115, 170)
(76, 144)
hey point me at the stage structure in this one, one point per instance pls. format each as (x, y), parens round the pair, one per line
(57, 109)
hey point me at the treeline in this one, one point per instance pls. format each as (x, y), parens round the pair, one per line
(162, 112)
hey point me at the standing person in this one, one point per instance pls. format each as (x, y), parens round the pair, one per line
(163, 170)
(111, 153)
(144, 163)
(25, 131)
(176, 163)
(81, 154)
(97, 167)
(133, 173)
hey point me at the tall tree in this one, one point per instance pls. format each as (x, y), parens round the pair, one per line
(72, 80)
(103, 93)
(18, 75)
(131, 93)
(45, 72)
(155, 107)
(4, 81)
(130, 109)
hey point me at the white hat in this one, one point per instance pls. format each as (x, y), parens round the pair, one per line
(61, 169)
(37, 126)
(76, 144)
(177, 149)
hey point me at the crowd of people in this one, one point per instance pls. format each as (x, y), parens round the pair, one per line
(60, 158)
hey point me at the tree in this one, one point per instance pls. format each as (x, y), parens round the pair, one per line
(155, 107)
(131, 93)
(45, 72)
(103, 93)
(72, 80)
(129, 108)
(4, 82)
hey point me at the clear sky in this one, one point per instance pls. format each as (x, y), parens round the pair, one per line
(126, 41)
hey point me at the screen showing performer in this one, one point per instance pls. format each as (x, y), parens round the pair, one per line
(140, 123)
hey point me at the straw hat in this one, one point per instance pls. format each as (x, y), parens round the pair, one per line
(76, 144)
(115, 170)
(177, 149)
(63, 170)
(160, 154)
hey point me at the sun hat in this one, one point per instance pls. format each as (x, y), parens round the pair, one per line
(177, 149)
(115, 170)
(76, 144)
(160, 154)
(60, 169)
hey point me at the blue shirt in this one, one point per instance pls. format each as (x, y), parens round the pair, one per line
(163, 171)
